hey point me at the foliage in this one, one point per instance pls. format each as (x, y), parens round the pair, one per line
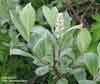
(58, 63)
(42, 41)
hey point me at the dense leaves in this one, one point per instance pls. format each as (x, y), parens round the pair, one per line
(43, 43)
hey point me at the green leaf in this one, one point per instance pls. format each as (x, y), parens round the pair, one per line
(67, 20)
(98, 51)
(24, 21)
(50, 15)
(14, 38)
(37, 61)
(47, 60)
(67, 39)
(20, 52)
(79, 74)
(93, 47)
(67, 35)
(62, 81)
(41, 31)
(83, 40)
(97, 17)
(86, 82)
(40, 41)
(42, 49)
(27, 17)
(95, 31)
(63, 67)
(65, 59)
(68, 52)
(42, 70)
(16, 20)
(91, 62)
(41, 45)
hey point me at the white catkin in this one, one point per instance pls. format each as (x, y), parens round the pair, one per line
(60, 23)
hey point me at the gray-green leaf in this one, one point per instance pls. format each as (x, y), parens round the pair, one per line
(24, 21)
(50, 15)
(27, 17)
(79, 74)
(42, 70)
(40, 41)
(62, 81)
(86, 82)
(16, 20)
(20, 52)
(67, 20)
(98, 51)
(91, 62)
(83, 40)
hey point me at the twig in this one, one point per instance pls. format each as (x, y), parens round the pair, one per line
(89, 7)
(75, 14)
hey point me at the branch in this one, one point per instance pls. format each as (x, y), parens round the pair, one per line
(75, 15)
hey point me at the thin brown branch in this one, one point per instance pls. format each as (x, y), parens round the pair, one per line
(75, 15)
